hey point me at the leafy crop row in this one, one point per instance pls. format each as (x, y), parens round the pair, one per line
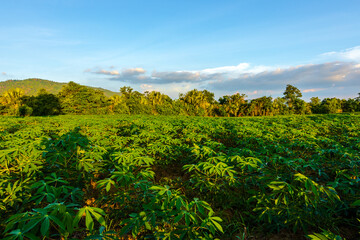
(113, 177)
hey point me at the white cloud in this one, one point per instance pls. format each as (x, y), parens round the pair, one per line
(352, 54)
(238, 69)
(178, 76)
(133, 71)
(313, 90)
(146, 87)
(135, 75)
(114, 72)
(127, 72)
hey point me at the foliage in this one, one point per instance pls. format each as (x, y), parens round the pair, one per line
(11, 100)
(164, 177)
(292, 94)
(75, 99)
(44, 104)
(325, 235)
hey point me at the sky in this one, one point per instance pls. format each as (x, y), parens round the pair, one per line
(255, 47)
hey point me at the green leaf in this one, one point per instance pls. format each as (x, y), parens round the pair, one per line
(147, 225)
(78, 217)
(57, 221)
(317, 236)
(89, 222)
(99, 218)
(45, 226)
(187, 219)
(99, 210)
(31, 236)
(30, 225)
(356, 203)
(217, 225)
(108, 186)
(178, 217)
(217, 219)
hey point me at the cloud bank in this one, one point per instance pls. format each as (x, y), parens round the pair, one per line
(312, 76)
(332, 77)
(140, 76)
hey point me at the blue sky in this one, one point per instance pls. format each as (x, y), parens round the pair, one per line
(254, 47)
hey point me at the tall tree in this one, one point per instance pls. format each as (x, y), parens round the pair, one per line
(279, 106)
(350, 105)
(301, 107)
(129, 102)
(292, 94)
(118, 105)
(262, 106)
(11, 100)
(315, 105)
(198, 103)
(331, 105)
(159, 103)
(44, 104)
(78, 99)
(233, 105)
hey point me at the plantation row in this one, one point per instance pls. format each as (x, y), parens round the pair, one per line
(113, 177)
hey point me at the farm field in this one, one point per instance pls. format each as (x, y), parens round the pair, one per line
(160, 177)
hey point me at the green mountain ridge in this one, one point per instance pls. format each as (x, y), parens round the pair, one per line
(32, 86)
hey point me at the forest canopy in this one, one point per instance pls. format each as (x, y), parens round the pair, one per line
(76, 99)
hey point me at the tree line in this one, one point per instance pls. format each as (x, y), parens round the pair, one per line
(77, 99)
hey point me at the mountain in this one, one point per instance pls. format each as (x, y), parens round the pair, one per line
(32, 86)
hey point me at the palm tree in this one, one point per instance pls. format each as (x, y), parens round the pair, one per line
(11, 99)
(202, 102)
(234, 104)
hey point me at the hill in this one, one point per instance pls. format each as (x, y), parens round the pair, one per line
(32, 86)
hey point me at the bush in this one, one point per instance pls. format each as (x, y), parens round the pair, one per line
(24, 111)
